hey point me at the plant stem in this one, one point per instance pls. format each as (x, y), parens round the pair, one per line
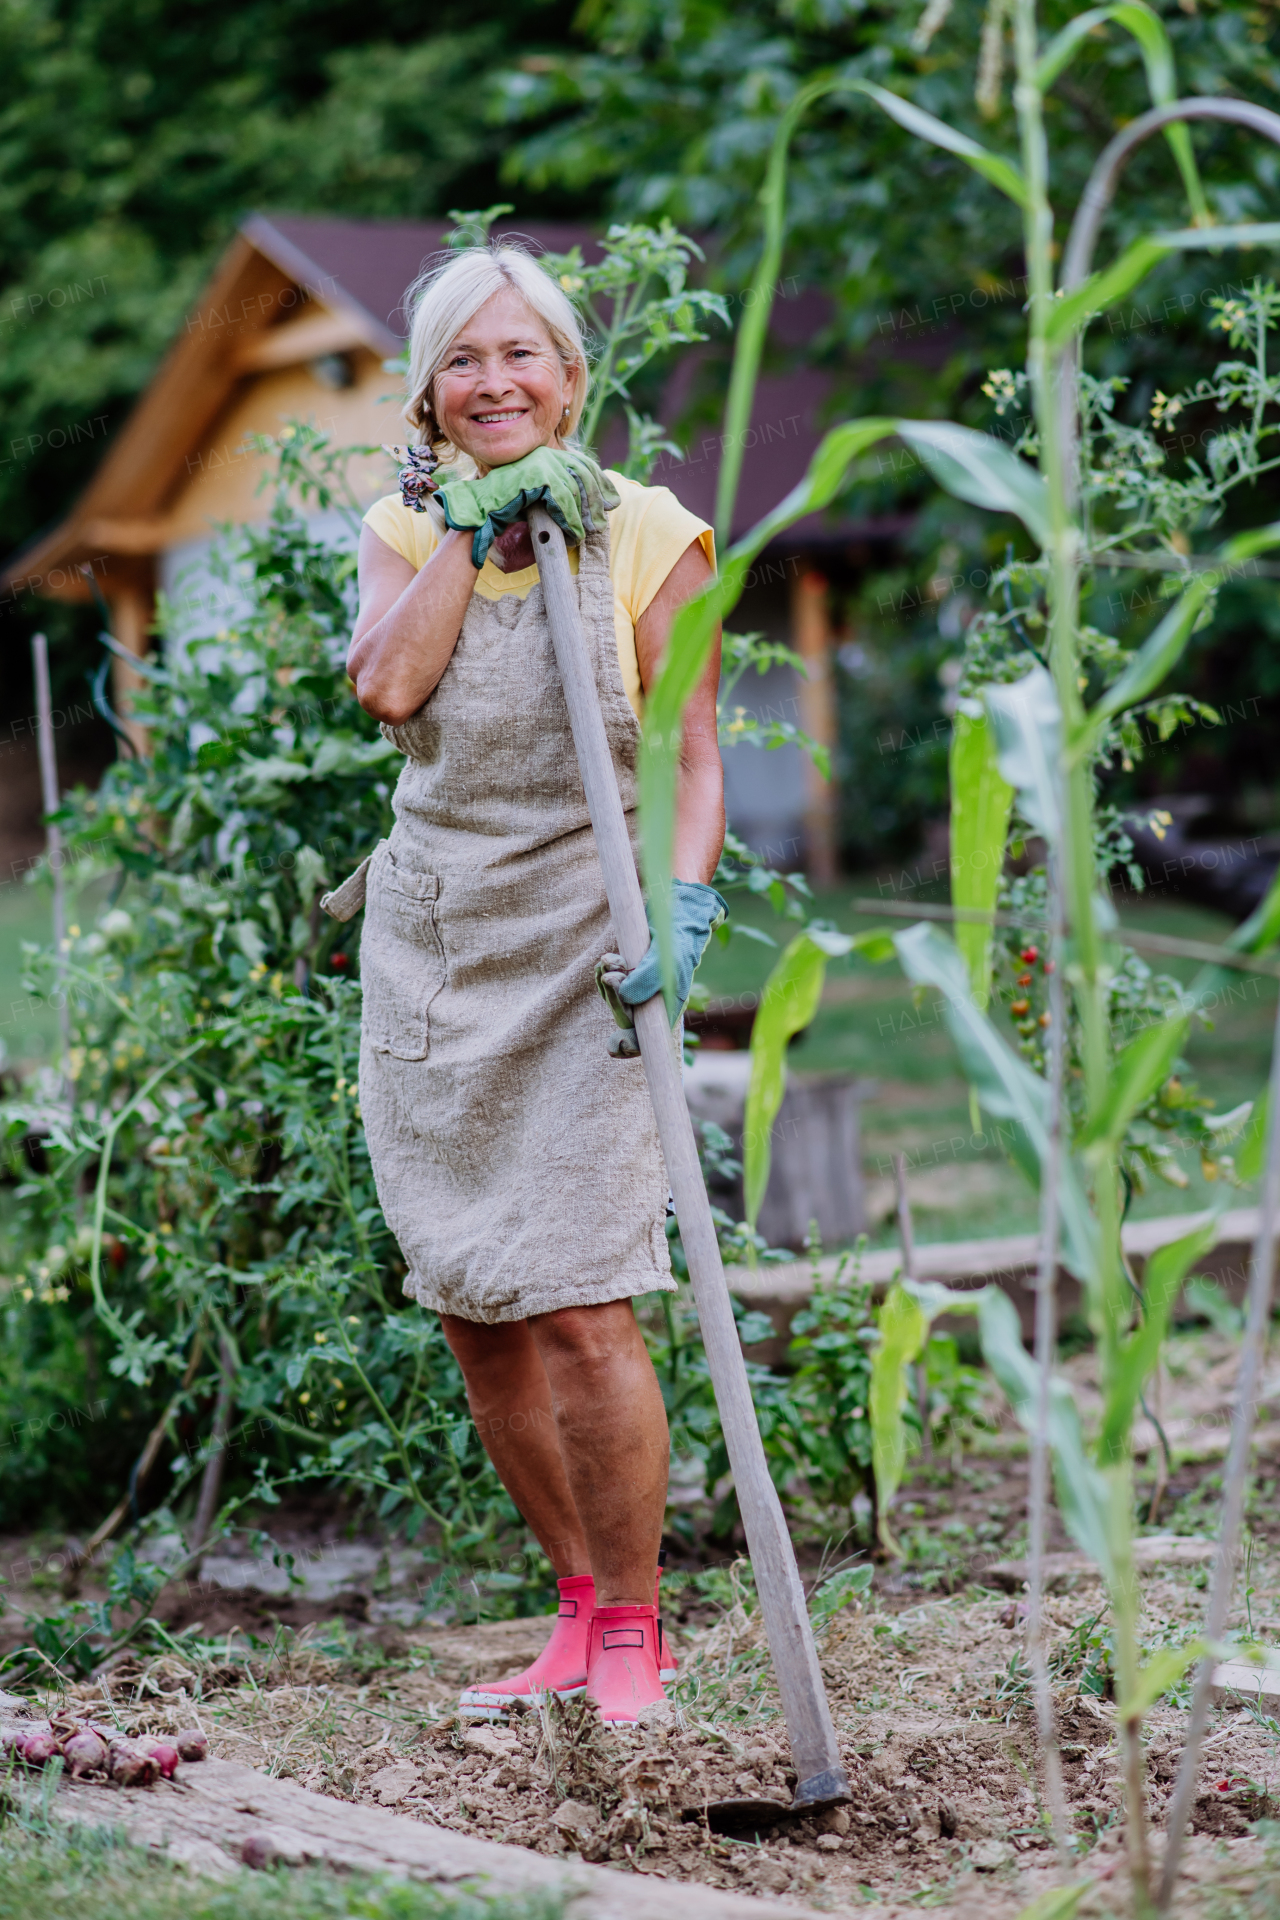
(1045, 1335)
(1048, 372)
(1235, 1479)
(211, 1478)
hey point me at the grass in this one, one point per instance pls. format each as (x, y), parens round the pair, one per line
(868, 1025)
(79, 1873)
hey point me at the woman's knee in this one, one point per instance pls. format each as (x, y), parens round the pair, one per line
(588, 1337)
(480, 1349)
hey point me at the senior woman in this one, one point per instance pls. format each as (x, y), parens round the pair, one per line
(513, 1145)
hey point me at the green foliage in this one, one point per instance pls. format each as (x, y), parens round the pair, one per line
(638, 305)
(830, 1431)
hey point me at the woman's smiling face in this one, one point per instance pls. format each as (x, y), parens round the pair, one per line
(502, 388)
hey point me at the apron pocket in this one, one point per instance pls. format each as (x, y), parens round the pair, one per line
(402, 963)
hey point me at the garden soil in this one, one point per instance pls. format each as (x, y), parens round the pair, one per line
(931, 1705)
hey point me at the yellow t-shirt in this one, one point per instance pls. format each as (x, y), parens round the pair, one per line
(648, 531)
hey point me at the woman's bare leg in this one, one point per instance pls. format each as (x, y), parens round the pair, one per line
(570, 1413)
(613, 1440)
(510, 1400)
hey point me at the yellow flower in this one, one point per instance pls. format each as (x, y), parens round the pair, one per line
(1165, 409)
(320, 1339)
(1002, 387)
(304, 1397)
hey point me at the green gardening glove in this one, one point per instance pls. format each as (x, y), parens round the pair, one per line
(696, 911)
(564, 480)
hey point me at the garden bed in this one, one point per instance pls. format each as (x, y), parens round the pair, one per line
(930, 1699)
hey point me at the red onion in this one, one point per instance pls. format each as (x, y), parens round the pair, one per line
(192, 1744)
(164, 1753)
(84, 1752)
(39, 1748)
(129, 1765)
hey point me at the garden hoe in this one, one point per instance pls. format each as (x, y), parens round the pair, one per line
(820, 1779)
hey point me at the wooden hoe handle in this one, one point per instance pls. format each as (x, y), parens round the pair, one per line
(820, 1779)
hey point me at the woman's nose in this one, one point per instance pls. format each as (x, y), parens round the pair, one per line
(494, 378)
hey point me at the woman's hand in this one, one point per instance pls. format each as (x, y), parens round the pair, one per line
(700, 781)
(408, 625)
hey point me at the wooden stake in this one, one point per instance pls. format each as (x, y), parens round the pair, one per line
(820, 1779)
(53, 841)
(211, 1478)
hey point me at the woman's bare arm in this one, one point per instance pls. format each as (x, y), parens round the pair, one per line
(409, 623)
(700, 782)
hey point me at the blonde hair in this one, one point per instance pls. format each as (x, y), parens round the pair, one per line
(446, 296)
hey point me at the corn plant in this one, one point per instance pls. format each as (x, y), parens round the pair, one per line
(1034, 743)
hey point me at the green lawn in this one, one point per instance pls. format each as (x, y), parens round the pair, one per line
(869, 1025)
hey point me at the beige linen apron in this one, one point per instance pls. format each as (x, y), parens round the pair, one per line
(517, 1163)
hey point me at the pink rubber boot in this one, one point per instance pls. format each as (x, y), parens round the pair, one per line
(622, 1663)
(561, 1667)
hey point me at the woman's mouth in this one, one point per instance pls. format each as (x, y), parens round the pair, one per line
(499, 419)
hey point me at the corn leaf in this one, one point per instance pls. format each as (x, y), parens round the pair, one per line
(904, 1327)
(1005, 1085)
(1109, 284)
(1027, 722)
(1102, 289)
(1001, 173)
(788, 1003)
(1140, 1070)
(1163, 1670)
(980, 802)
(978, 469)
(1251, 1152)
(1157, 54)
(1083, 1494)
(1166, 1269)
